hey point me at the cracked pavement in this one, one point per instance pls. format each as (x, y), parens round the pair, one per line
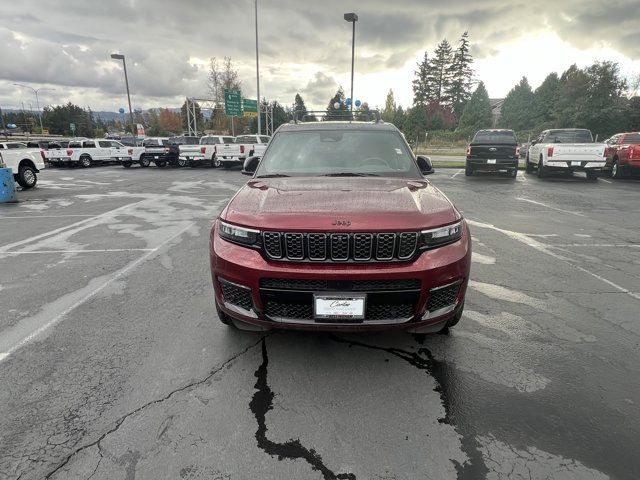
(114, 365)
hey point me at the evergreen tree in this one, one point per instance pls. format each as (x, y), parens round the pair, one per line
(439, 73)
(390, 108)
(300, 107)
(571, 98)
(459, 74)
(363, 113)
(399, 118)
(518, 107)
(338, 113)
(422, 90)
(604, 101)
(544, 100)
(477, 111)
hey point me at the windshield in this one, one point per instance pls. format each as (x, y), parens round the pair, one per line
(335, 152)
(631, 138)
(569, 136)
(488, 136)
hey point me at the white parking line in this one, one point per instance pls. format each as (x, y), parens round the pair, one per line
(95, 218)
(28, 329)
(550, 207)
(607, 245)
(605, 180)
(45, 216)
(457, 173)
(546, 249)
(102, 250)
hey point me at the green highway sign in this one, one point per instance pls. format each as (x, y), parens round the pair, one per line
(72, 127)
(250, 105)
(232, 103)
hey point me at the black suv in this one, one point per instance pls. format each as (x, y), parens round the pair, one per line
(493, 151)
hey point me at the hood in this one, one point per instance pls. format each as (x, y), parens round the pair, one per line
(357, 204)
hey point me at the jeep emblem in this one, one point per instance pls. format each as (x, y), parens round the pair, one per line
(342, 223)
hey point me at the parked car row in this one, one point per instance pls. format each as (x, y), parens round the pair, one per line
(555, 150)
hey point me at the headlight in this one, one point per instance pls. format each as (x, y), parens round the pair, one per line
(241, 235)
(441, 236)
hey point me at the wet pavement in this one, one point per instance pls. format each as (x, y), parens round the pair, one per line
(114, 365)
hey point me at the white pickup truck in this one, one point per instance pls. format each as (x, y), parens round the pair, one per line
(89, 151)
(24, 162)
(566, 150)
(245, 146)
(206, 152)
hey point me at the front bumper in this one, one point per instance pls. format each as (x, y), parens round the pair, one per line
(265, 305)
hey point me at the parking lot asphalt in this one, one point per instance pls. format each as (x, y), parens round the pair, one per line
(114, 365)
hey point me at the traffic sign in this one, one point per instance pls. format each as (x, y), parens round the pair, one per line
(250, 105)
(45, 132)
(232, 103)
(72, 127)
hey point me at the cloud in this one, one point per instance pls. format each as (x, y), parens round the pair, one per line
(304, 46)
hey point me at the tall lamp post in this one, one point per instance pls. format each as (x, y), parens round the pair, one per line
(35, 91)
(117, 56)
(352, 18)
(258, 73)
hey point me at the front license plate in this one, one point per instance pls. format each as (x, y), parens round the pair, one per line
(576, 164)
(491, 161)
(339, 306)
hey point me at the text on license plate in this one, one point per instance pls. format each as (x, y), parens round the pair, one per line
(491, 161)
(339, 306)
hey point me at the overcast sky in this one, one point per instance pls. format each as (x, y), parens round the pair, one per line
(305, 46)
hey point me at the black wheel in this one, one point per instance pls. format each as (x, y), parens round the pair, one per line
(85, 161)
(216, 162)
(615, 170)
(144, 161)
(223, 317)
(182, 162)
(126, 164)
(541, 170)
(26, 177)
(528, 166)
(468, 171)
(161, 163)
(592, 175)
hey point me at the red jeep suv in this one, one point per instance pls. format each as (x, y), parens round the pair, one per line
(339, 230)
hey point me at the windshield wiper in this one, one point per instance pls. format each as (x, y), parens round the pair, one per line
(273, 175)
(350, 174)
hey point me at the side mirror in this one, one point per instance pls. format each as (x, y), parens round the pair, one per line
(250, 165)
(425, 165)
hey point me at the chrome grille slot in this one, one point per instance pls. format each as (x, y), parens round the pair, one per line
(408, 244)
(385, 246)
(294, 246)
(317, 246)
(272, 244)
(340, 246)
(362, 246)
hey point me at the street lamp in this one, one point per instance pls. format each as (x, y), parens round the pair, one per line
(352, 18)
(258, 73)
(117, 56)
(36, 90)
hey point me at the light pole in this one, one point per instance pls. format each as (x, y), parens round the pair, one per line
(352, 18)
(36, 90)
(117, 56)
(258, 72)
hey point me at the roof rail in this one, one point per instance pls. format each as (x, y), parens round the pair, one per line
(300, 116)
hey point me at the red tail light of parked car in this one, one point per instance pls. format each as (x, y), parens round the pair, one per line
(69, 152)
(203, 149)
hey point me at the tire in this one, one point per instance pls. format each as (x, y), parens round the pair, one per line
(541, 170)
(126, 164)
(592, 176)
(85, 161)
(144, 161)
(615, 170)
(468, 171)
(182, 162)
(528, 165)
(223, 317)
(216, 162)
(26, 177)
(161, 164)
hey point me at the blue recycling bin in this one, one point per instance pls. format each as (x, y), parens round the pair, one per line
(7, 186)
